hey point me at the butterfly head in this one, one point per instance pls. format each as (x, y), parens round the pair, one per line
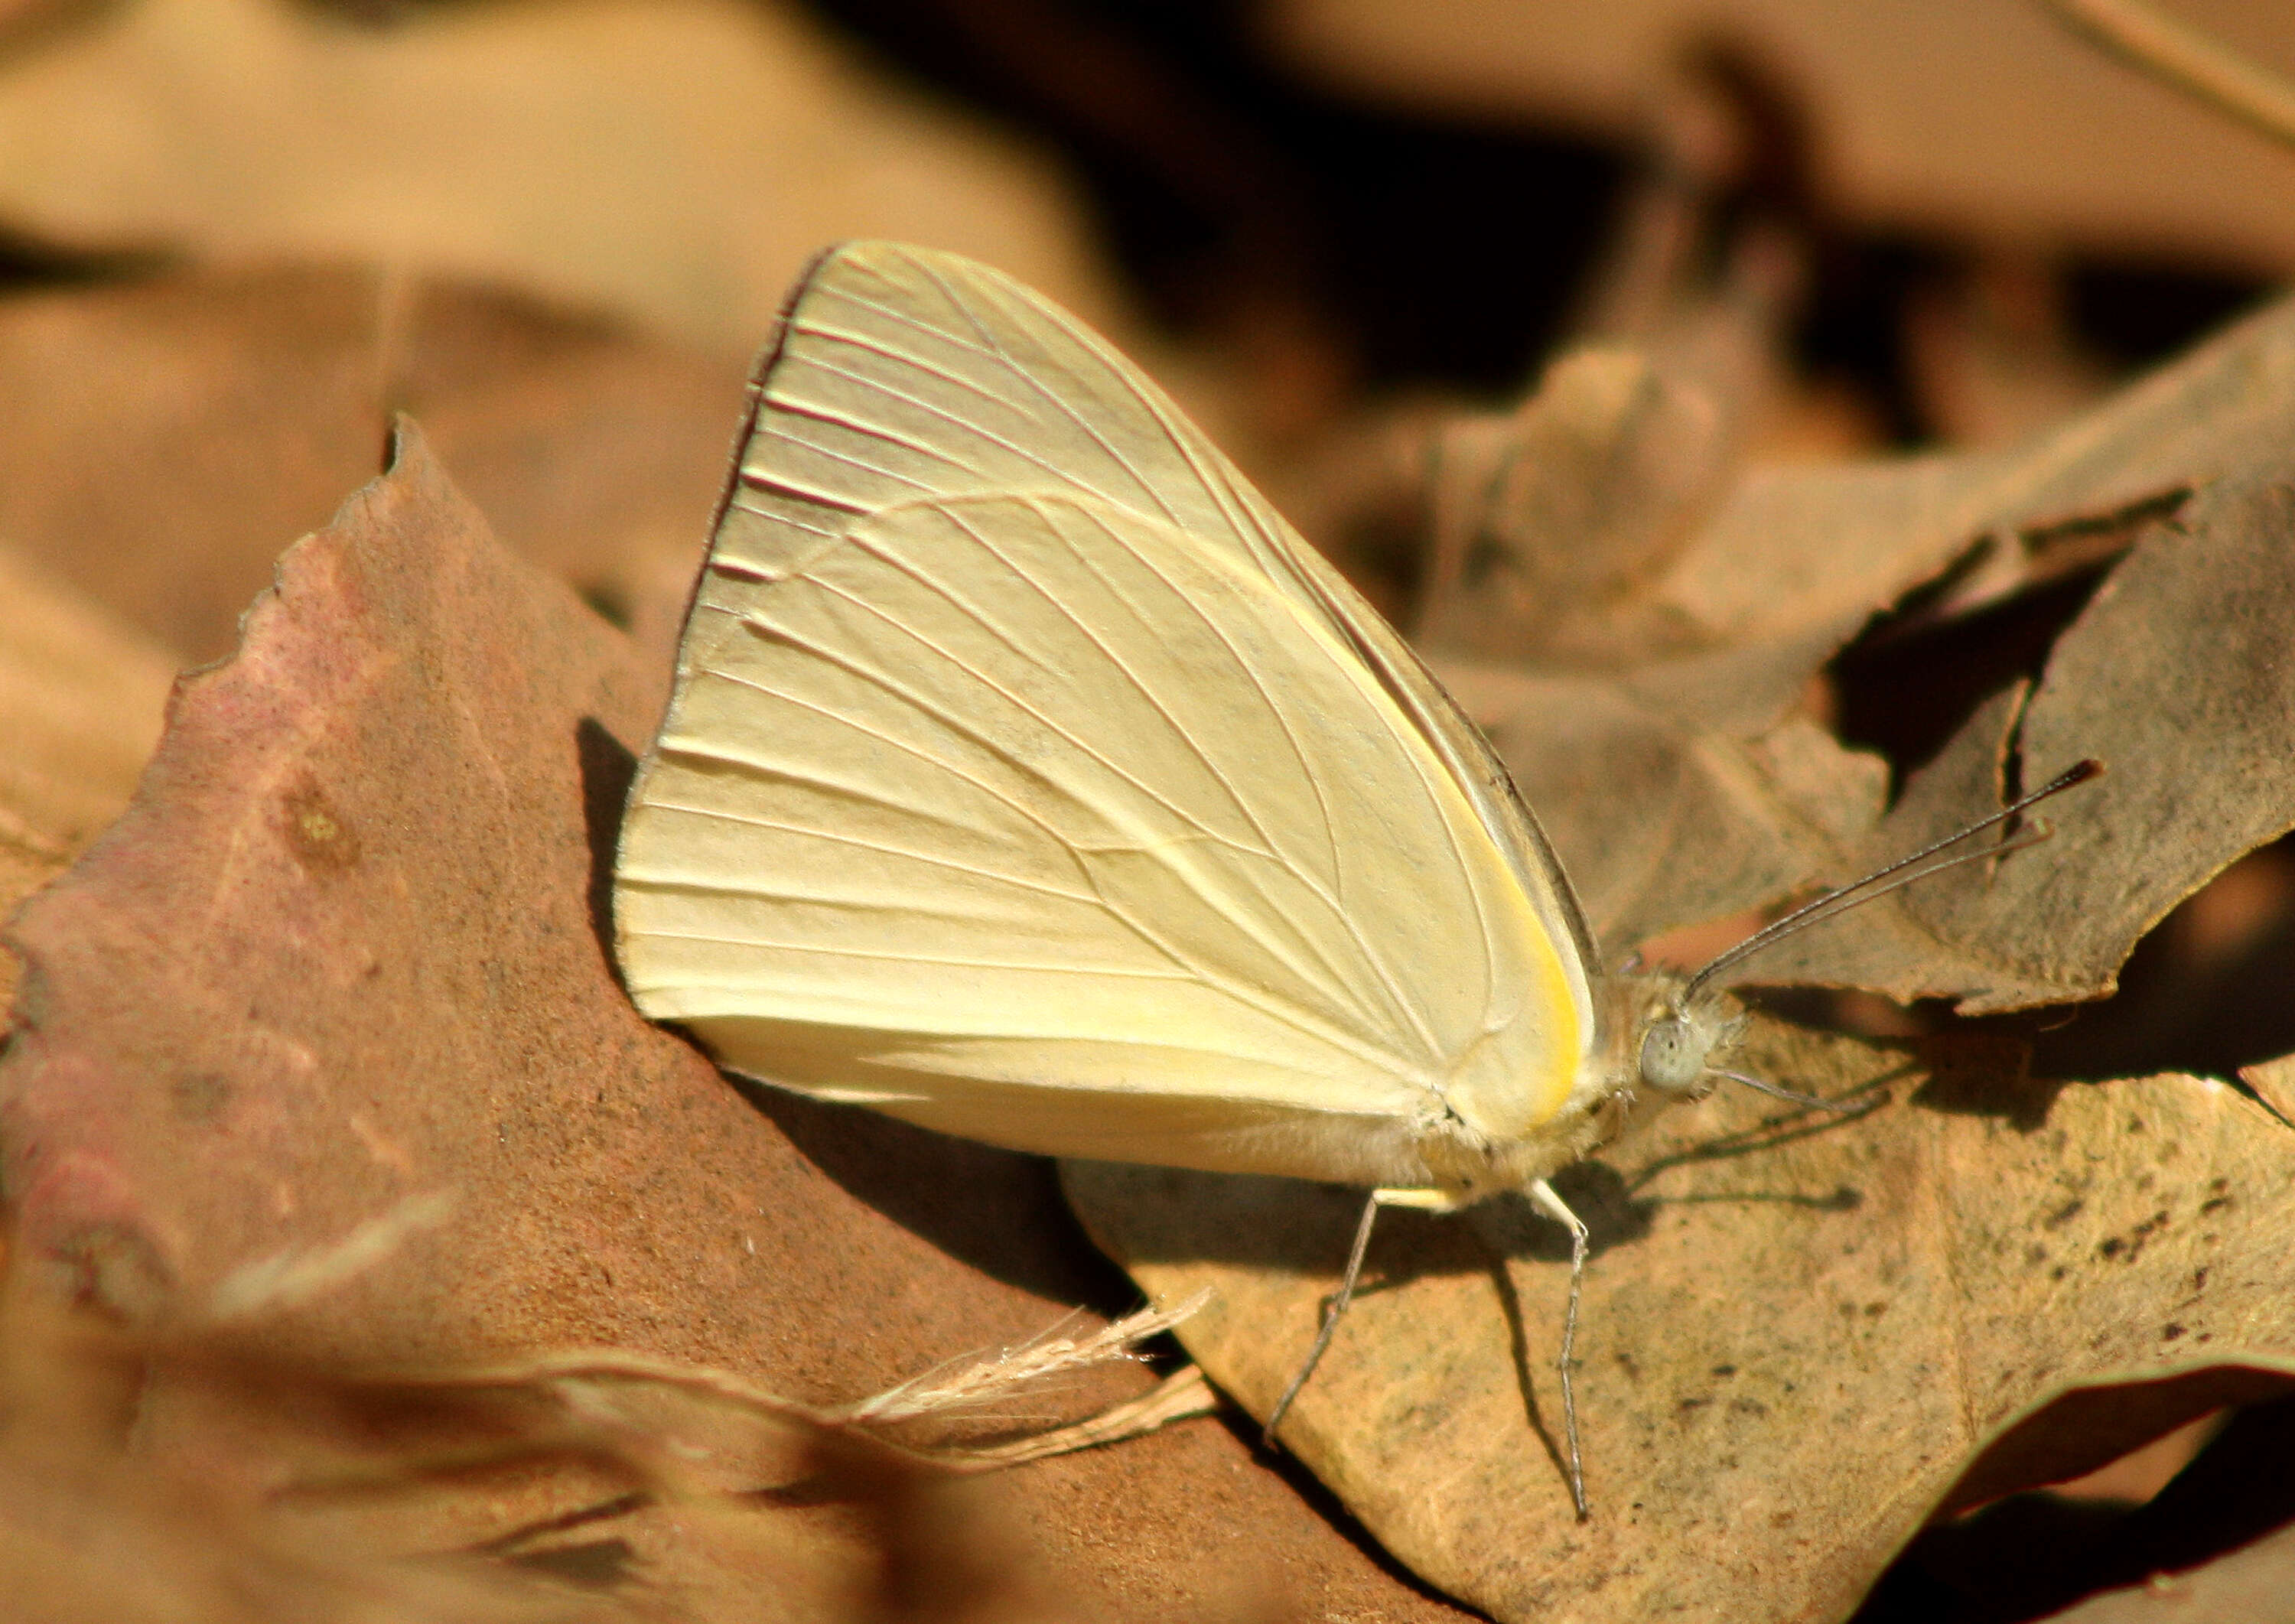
(1675, 1047)
(1664, 1037)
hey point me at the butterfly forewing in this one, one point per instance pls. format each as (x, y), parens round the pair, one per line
(902, 374)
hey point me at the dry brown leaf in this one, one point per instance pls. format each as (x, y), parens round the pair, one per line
(345, 949)
(1798, 557)
(1996, 360)
(1795, 547)
(2209, 1543)
(1663, 758)
(1543, 521)
(80, 702)
(266, 393)
(1800, 1337)
(1547, 527)
(2213, 1544)
(677, 161)
(2273, 1084)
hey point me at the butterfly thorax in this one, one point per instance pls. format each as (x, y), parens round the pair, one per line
(1609, 1099)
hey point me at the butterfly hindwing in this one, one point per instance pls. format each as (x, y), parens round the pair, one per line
(1029, 792)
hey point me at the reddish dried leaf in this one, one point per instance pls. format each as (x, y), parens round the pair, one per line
(1799, 1338)
(345, 949)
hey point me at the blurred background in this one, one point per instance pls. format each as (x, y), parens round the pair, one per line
(1304, 201)
(1322, 223)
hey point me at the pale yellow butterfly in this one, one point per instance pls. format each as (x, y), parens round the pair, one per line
(1028, 778)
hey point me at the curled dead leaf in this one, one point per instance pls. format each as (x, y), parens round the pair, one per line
(2173, 672)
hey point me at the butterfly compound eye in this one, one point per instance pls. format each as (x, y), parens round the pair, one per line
(1673, 1055)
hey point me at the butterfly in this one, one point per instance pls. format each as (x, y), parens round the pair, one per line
(1027, 778)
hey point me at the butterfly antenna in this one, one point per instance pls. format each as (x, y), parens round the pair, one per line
(1904, 871)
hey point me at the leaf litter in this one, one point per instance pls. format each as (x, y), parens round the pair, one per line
(336, 987)
(1785, 782)
(1920, 1279)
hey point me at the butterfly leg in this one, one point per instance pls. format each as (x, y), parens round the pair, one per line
(1543, 1197)
(1432, 1200)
